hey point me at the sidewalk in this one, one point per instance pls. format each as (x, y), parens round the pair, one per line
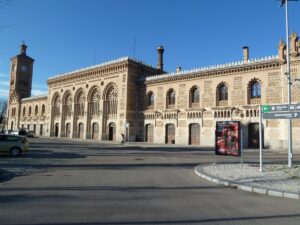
(276, 180)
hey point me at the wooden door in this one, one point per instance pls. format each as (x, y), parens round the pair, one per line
(112, 132)
(253, 135)
(56, 129)
(80, 131)
(194, 134)
(170, 134)
(149, 133)
(68, 130)
(95, 131)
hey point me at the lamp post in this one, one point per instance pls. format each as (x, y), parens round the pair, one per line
(290, 140)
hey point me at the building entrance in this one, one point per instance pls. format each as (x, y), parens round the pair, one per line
(253, 135)
(95, 131)
(112, 132)
(56, 129)
(149, 133)
(80, 131)
(194, 134)
(170, 134)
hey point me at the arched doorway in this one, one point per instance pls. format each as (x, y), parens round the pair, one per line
(149, 133)
(41, 129)
(34, 128)
(12, 125)
(68, 130)
(170, 134)
(112, 131)
(194, 134)
(56, 129)
(95, 131)
(80, 130)
(253, 135)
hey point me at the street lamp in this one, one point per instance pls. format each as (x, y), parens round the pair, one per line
(290, 142)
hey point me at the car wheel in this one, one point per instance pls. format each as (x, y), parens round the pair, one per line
(15, 152)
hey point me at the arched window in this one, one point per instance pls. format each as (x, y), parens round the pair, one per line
(194, 97)
(94, 103)
(171, 99)
(150, 100)
(43, 109)
(24, 111)
(255, 90)
(36, 110)
(29, 113)
(67, 105)
(111, 100)
(222, 95)
(56, 105)
(80, 102)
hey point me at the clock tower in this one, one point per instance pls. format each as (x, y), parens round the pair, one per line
(21, 75)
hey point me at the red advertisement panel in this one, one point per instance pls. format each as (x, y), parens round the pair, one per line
(228, 138)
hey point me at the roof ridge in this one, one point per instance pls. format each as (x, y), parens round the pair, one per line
(213, 67)
(110, 62)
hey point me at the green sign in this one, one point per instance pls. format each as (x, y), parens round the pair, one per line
(266, 108)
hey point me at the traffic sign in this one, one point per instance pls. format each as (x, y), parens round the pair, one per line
(266, 108)
(280, 108)
(281, 115)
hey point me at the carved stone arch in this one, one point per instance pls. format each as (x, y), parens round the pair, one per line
(55, 98)
(79, 94)
(108, 88)
(94, 90)
(150, 98)
(253, 80)
(65, 97)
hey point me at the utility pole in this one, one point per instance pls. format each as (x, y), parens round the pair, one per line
(290, 138)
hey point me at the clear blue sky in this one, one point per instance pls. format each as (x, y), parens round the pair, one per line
(63, 35)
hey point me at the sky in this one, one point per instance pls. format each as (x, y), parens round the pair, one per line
(65, 35)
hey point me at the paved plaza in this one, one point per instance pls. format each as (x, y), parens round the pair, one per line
(62, 182)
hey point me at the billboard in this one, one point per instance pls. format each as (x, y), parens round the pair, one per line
(228, 138)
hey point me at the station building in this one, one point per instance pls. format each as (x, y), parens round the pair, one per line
(144, 103)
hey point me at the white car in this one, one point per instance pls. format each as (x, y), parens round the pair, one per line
(13, 132)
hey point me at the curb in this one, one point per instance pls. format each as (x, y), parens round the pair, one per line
(253, 189)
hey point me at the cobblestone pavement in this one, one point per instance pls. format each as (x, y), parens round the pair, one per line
(274, 176)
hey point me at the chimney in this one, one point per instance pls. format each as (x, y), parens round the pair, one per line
(178, 69)
(246, 53)
(23, 48)
(160, 63)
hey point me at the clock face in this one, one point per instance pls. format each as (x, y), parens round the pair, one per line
(24, 68)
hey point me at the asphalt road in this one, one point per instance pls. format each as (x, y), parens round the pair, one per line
(69, 183)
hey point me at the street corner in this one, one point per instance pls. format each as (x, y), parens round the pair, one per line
(276, 180)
